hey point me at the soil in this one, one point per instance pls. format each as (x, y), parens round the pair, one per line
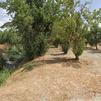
(57, 77)
(4, 47)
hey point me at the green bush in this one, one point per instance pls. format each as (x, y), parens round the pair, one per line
(6, 51)
(99, 44)
(37, 47)
(78, 50)
(15, 54)
(56, 42)
(9, 37)
(21, 50)
(12, 53)
(65, 47)
(4, 76)
(2, 62)
(91, 42)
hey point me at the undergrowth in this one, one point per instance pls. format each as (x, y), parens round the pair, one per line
(4, 74)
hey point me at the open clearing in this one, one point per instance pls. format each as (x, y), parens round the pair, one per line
(57, 77)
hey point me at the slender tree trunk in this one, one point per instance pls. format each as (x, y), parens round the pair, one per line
(96, 41)
(77, 57)
(96, 47)
(86, 45)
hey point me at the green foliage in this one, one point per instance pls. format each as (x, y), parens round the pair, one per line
(100, 44)
(94, 35)
(6, 51)
(72, 23)
(9, 37)
(36, 48)
(91, 42)
(32, 18)
(78, 50)
(56, 42)
(36, 21)
(65, 47)
(14, 54)
(20, 49)
(2, 62)
(4, 76)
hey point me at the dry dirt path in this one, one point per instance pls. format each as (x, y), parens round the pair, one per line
(57, 77)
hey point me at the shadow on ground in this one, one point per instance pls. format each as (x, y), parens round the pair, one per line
(93, 51)
(29, 66)
(64, 61)
(58, 54)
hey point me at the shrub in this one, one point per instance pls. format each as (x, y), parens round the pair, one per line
(12, 53)
(6, 51)
(15, 54)
(56, 42)
(65, 47)
(99, 44)
(36, 48)
(21, 50)
(4, 76)
(78, 50)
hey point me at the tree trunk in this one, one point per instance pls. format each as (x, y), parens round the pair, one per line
(77, 57)
(96, 47)
(86, 45)
(96, 41)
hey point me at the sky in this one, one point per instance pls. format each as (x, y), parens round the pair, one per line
(96, 4)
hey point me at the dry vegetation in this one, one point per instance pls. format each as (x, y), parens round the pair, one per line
(57, 77)
(3, 47)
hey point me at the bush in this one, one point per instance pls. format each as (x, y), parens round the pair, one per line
(21, 50)
(12, 53)
(56, 42)
(4, 76)
(2, 62)
(6, 51)
(91, 42)
(99, 44)
(65, 47)
(78, 50)
(37, 47)
(15, 54)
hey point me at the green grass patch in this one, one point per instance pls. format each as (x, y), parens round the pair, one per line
(4, 76)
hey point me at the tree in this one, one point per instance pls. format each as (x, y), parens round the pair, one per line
(55, 32)
(73, 24)
(94, 35)
(65, 47)
(33, 20)
(9, 37)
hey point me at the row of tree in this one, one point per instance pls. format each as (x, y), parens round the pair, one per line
(94, 35)
(9, 37)
(36, 22)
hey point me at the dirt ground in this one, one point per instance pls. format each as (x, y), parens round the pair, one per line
(57, 77)
(4, 47)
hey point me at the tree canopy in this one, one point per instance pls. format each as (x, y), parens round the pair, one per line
(35, 21)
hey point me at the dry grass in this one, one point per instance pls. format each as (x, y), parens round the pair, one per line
(57, 77)
(3, 47)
